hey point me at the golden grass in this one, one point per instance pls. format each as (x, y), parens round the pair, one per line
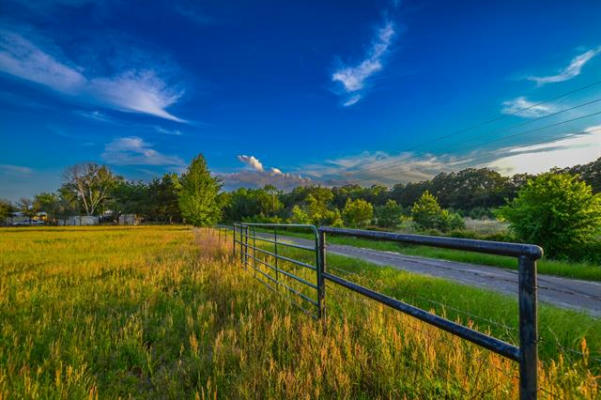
(164, 312)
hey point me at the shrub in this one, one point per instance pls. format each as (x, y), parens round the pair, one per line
(558, 212)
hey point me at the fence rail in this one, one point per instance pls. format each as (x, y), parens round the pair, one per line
(526, 354)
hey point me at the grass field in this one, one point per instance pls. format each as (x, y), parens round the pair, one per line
(545, 266)
(164, 312)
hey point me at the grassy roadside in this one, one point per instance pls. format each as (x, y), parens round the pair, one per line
(545, 266)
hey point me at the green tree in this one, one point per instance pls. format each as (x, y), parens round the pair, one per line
(198, 195)
(299, 216)
(49, 203)
(166, 207)
(388, 215)
(91, 184)
(26, 206)
(426, 211)
(357, 213)
(556, 211)
(5, 209)
(427, 214)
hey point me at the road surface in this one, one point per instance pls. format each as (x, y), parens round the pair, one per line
(562, 292)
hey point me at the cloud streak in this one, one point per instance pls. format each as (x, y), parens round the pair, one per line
(134, 90)
(522, 107)
(15, 170)
(135, 151)
(569, 72)
(353, 79)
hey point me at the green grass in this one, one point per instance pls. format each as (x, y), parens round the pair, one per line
(165, 313)
(560, 330)
(545, 266)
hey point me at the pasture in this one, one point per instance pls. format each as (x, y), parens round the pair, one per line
(165, 312)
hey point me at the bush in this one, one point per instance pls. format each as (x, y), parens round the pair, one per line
(556, 211)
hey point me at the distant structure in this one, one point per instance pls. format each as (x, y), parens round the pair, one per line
(129, 219)
(80, 220)
(18, 218)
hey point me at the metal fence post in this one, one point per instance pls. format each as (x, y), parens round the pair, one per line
(321, 268)
(234, 241)
(528, 329)
(246, 247)
(254, 249)
(275, 251)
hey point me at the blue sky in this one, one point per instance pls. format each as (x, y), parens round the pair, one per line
(293, 93)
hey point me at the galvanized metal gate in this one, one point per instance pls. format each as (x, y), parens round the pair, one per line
(278, 272)
(526, 354)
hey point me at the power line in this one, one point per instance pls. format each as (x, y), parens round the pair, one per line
(394, 163)
(501, 117)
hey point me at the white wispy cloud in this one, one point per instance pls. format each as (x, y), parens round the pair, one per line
(10, 169)
(131, 90)
(135, 151)
(353, 79)
(165, 131)
(569, 72)
(522, 107)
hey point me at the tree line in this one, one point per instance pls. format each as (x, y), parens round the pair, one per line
(560, 210)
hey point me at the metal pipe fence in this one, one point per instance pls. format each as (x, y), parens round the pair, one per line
(526, 354)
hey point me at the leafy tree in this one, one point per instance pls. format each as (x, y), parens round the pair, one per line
(68, 204)
(91, 184)
(299, 216)
(426, 211)
(164, 193)
(388, 215)
(5, 209)
(557, 211)
(130, 198)
(49, 203)
(357, 213)
(26, 206)
(427, 214)
(198, 194)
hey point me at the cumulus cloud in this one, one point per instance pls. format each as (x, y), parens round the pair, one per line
(522, 107)
(353, 79)
(252, 162)
(139, 91)
(569, 72)
(135, 151)
(255, 175)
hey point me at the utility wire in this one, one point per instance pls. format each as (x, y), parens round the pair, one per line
(394, 163)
